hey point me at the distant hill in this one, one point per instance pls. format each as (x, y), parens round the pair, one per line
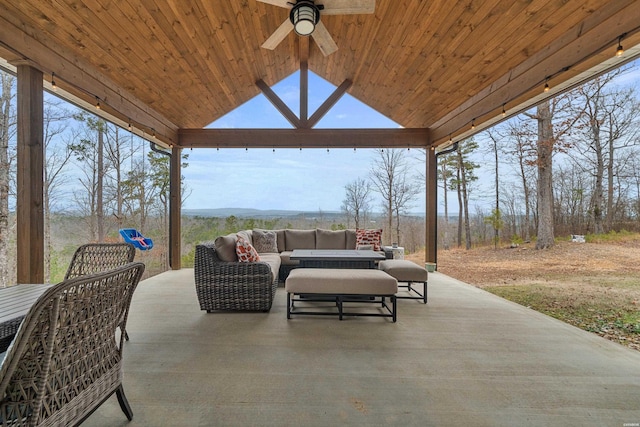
(255, 213)
(269, 213)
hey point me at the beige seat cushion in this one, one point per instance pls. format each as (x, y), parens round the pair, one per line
(403, 270)
(274, 263)
(340, 281)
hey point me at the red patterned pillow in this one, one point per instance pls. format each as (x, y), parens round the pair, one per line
(369, 237)
(246, 252)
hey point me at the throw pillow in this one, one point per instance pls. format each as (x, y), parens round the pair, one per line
(369, 237)
(226, 248)
(265, 241)
(246, 252)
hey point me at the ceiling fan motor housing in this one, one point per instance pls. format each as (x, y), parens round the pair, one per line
(304, 16)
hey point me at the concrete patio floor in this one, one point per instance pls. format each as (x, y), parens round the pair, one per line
(465, 358)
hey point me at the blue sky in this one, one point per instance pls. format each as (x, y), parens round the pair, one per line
(305, 180)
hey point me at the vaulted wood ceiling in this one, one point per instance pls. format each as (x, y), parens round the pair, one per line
(437, 64)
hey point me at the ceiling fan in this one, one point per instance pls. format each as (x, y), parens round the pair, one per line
(304, 19)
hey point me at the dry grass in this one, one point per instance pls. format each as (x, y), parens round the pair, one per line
(595, 286)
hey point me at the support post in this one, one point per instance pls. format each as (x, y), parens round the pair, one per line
(431, 220)
(30, 176)
(175, 209)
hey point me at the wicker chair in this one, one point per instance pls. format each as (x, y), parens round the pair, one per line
(65, 361)
(97, 257)
(244, 286)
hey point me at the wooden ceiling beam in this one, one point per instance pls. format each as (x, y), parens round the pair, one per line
(279, 104)
(304, 81)
(329, 103)
(80, 80)
(569, 55)
(304, 138)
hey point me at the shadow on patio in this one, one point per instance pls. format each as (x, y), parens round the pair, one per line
(466, 358)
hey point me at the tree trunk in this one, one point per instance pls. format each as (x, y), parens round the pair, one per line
(610, 175)
(465, 200)
(445, 187)
(545, 177)
(496, 232)
(598, 191)
(5, 123)
(100, 203)
(459, 209)
(527, 209)
(47, 232)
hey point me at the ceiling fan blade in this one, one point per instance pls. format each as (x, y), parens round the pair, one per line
(281, 3)
(324, 40)
(278, 35)
(347, 7)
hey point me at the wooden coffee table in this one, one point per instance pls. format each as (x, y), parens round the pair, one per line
(336, 258)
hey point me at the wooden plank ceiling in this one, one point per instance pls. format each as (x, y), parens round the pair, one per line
(437, 64)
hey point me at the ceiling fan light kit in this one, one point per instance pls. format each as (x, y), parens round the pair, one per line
(305, 20)
(304, 16)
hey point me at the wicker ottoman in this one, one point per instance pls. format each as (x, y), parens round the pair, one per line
(407, 272)
(357, 287)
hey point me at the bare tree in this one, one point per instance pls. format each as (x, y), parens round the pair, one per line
(404, 192)
(555, 119)
(496, 218)
(88, 149)
(522, 152)
(57, 157)
(465, 176)
(446, 175)
(546, 237)
(7, 129)
(608, 124)
(357, 202)
(388, 173)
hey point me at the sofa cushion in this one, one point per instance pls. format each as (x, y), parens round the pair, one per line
(280, 240)
(300, 239)
(265, 241)
(226, 248)
(246, 252)
(350, 236)
(274, 263)
(369, 237)
(246, 235)
(328, 239)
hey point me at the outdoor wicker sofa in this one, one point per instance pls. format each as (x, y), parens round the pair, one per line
(224, 283)
(65, 360)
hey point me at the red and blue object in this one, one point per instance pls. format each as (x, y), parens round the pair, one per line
(133, 236)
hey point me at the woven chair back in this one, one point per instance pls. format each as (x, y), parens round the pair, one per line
(65, 360)
(96, 257)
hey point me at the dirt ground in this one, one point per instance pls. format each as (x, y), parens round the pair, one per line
(595, 286)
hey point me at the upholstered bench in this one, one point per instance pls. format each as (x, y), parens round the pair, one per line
(406, 272)
(339, 286)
